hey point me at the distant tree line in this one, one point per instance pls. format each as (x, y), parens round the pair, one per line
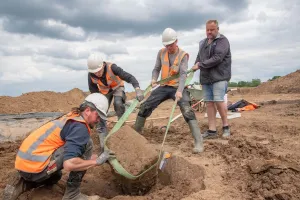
(253, 83)
(274, 77)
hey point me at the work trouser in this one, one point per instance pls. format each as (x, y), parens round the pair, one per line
(119, 105)
(52, 173)
(163, 93)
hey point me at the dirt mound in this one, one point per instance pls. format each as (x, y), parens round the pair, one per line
(274, 179)
(133, 151)
(181, 177)
(285, 84)
(130, 95)
(45, 101)
(136, 155)
(265, 175)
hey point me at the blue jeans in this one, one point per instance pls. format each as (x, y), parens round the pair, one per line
(215, 92)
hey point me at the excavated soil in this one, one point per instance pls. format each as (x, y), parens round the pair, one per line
(136, 155)
(261, 160)
(132, 150)
(42, 102)
(46, 101)
(285, 84)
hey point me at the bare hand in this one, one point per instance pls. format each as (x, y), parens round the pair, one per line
(195, 67)
(178, 95)
(153, 83)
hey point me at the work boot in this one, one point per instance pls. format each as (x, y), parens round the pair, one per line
(102, 136)
(226, 132)
(195, 129)
(139, 124)
(72, 191)
(16, 186)
(209, 135)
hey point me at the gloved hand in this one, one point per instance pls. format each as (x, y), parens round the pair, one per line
(105, 156)
(139, 94)
(153, 83)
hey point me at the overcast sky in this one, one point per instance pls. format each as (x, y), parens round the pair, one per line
(44, 44)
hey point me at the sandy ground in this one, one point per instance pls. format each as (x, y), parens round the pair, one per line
(261, 160)
(270, 134)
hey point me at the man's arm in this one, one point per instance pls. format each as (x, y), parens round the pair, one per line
(157, 67)
(76, 136)
(129, 78)
(182, 71)
(78, 164)
(92, 86)
(221, 50)
(198, 57)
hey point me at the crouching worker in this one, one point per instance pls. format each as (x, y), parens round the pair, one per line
(63, 143)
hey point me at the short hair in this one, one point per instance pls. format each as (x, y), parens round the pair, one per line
(213, 21)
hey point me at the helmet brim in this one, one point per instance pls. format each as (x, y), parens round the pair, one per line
(169, 42)
(102, 115)
(95, 70)
(90, 104)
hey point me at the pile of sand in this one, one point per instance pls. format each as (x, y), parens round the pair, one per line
(133, 151)
(285, 84)
(136, 155)
(45, 101)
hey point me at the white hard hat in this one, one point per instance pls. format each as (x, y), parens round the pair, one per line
(99, 102)
(95, 63)
(169, 36)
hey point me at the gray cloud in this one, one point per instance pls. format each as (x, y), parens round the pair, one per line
(10, 51)
(77, 65)
(112, 17)
(64, 52)
(44, 28)
(111, 49)
(49, 42)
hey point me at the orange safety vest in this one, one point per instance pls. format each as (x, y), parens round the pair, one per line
(113, 81)
(35, 152)
(168, 70)
(250, 106)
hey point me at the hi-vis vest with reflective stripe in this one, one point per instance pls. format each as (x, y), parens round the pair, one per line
(166, 69)
(36, 150)
(113, 81)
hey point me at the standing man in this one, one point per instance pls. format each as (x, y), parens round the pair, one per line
(214, 62)
(107, 78)
(171, 60)
(62, 143)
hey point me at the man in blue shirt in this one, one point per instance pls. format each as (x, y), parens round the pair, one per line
(63, 143)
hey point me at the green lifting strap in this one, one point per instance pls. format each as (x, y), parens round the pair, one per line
(114, 162)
